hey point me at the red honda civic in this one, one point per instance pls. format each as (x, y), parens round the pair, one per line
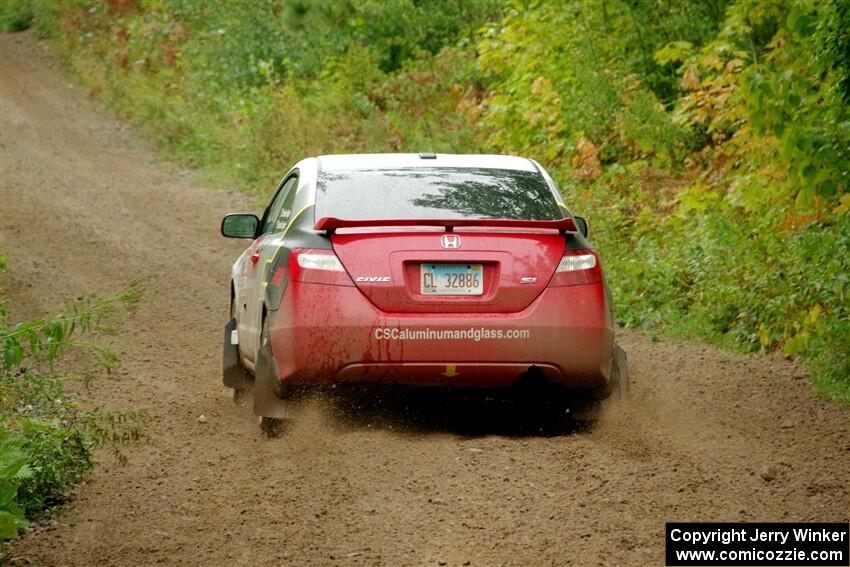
(422, 269)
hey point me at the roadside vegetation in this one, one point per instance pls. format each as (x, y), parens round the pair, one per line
(48, 437)
(707, 141)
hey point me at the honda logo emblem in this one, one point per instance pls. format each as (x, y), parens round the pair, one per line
(450, 241)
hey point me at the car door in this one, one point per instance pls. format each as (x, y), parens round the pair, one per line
(256, 265)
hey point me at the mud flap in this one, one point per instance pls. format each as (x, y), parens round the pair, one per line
(266, 401)
(232, 373)
(618, 384)
(622, 363)
(618, 379)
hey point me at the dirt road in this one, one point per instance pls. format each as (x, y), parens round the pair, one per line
(86, 206)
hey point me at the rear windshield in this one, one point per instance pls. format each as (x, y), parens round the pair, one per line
(435, 193)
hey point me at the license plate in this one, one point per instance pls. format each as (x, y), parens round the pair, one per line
(452, 279)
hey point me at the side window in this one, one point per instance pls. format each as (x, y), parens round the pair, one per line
(281, 207)
(286, 209)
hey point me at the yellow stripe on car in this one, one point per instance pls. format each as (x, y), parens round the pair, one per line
(292, 220)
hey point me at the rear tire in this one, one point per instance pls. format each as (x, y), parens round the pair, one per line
(273, 427)
(586, 410)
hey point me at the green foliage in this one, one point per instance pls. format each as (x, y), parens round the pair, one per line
(785, 99)
(707, 140)
(44, 340)
(562, 71)
(20, 15)
(46, 439)
(13, 470)
(15, 15)
(58, 457)
(832, 44)
(206, 80)
(267, 41)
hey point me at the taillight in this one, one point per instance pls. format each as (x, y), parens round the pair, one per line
(577, 267)
(317, 266)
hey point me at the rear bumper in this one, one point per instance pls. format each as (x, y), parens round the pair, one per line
(324, 334)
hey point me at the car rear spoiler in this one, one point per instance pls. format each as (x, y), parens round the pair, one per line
(331, 224)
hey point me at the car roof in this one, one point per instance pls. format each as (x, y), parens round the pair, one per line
(429, 160)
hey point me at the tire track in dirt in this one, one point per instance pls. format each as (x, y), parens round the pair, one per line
(84, 206)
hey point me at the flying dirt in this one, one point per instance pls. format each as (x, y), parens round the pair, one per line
(393, 478)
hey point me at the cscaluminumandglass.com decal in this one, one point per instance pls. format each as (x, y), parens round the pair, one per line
(470, 334)
(758, 544)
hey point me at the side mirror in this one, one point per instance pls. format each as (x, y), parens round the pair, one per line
(581, 223)
(239, 225)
